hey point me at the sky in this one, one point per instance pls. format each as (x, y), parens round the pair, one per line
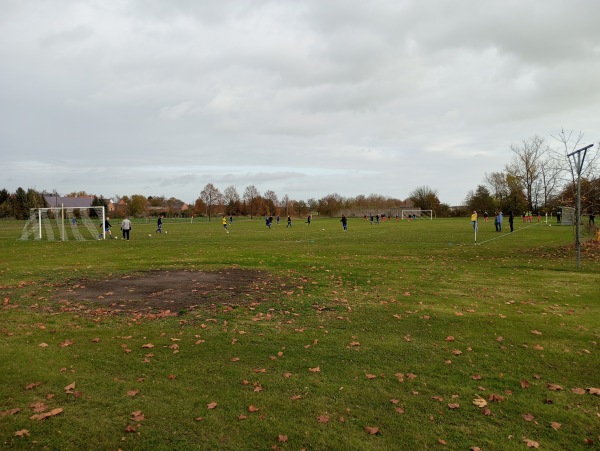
(304, 98)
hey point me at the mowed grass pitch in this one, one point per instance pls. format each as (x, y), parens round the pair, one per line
(381, 337)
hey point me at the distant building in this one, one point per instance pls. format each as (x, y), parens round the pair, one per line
(80, 201)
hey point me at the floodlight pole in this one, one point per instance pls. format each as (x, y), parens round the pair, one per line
(578, 158)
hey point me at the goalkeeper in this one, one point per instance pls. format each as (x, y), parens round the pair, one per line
(107, 227)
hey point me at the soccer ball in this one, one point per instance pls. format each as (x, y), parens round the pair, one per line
(150, 235)
(166, 231)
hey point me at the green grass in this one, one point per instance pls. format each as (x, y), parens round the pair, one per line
(363, 306)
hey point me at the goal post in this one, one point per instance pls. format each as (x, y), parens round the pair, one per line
(64, 224)
(417, 214)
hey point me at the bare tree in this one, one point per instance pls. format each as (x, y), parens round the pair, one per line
(591, 167)
(231, 199)
(499, 187)
(211, 197)
(251, 196)
(525, 165)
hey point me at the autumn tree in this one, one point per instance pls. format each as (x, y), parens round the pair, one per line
(480, 200)
(212, 197)
(137, 206)
(330, 204)
(425, 198)
(251, 196)
(270, 202)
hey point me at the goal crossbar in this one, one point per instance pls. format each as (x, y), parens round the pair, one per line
(418, 214)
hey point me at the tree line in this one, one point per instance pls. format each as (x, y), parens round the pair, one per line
(537, 179)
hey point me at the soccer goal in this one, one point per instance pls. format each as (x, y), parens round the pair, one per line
(64, 223)
(417, 214)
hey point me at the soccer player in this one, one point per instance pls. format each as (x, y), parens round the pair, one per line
(224, 222)
(289, 222)
(159, 224)
(107, 227)
(344, 222)
(126, 227)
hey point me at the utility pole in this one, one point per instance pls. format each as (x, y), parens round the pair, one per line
(578, 157)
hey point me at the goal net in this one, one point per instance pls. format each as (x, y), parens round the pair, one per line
(64, 224)
(417, 214)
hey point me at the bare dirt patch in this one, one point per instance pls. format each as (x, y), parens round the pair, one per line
(153, 291)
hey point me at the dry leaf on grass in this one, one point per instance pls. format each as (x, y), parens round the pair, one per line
(554, 425)
(22, 433)
(43, 416)
(211, 406)
(480, 402)
(371, 430)
(323, 419)
(137, 416)
(531, 443)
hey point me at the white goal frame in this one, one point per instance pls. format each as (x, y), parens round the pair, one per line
(40, 221)
(418, 213)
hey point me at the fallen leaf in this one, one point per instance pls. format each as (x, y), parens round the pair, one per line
(578, 391)
(43, 416)
(536, 332)
(371, 430)
(38, 406)
(442, 441)
(137, 416)
(554, 387)
(66, 343)
(253, 409)
(449, 338)
(242, 417)
(10, 412)
(370, 376)
(531, 443)
(315, 369)
(528, 417)
(594, 391)
(496, 398)
(476, 377)
(399, 410)
(148, 346)
(323, 419)
(22, 433)
(43, 345)
(130, 428)
(211, 406)
(480, 402)
(69, 389)
(524, 383)
(554, 425)
(132, 392)
(282, 438)
(33, 385)
(453, 406)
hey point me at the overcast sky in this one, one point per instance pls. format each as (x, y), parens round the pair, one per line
(305, 98)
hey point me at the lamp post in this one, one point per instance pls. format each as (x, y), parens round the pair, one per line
(578, 159)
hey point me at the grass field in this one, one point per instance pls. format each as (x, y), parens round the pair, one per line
(402, 335)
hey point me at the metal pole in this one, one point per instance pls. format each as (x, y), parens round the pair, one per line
(578, 159)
